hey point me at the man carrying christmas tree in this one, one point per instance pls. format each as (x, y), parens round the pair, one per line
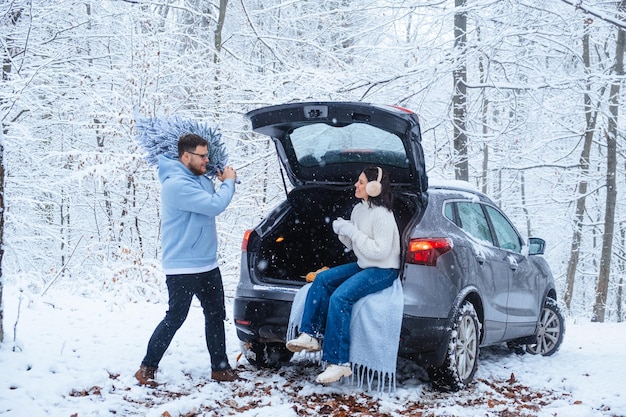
(190, 204)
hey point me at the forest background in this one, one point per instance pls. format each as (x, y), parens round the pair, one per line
(520, 98)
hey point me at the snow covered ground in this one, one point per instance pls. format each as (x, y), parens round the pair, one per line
(72, 356)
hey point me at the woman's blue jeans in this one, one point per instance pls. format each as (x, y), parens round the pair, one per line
(207, 286)
(329, 302)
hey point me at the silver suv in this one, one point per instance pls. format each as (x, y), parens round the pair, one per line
(469, 278)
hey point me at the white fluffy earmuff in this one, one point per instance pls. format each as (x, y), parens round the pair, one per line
(373, 188)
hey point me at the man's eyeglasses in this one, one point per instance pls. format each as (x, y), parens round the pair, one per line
(201, 155)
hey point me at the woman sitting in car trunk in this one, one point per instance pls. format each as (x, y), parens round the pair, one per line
(373, 235)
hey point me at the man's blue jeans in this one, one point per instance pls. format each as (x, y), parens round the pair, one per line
(207, 286)
(329, 302)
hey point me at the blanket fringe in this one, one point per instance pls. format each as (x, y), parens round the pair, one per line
(362, 375)
(292, 331)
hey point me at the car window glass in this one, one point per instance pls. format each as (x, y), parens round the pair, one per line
(473, 221)
(505, 233)
(448, 211)
(321, 144)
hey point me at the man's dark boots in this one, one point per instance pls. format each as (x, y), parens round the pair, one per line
(227, 375)
(145, 376)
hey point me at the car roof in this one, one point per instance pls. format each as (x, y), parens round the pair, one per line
(456, 189)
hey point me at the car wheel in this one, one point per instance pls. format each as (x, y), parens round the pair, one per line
(461, 360)
(266, 355)
(550, 330)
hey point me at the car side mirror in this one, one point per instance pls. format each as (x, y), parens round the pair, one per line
(536, 246)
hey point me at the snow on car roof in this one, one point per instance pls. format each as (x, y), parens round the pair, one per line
(456, 184)
(460, 187)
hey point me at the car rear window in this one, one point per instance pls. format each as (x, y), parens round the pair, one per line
(321, 144)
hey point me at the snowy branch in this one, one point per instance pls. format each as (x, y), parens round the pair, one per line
(579, 5)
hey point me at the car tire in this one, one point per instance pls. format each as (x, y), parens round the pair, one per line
(550, 330)
(266, 355)
(461, 360)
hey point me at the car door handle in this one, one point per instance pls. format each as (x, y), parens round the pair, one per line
(480, 258)
(513, 264)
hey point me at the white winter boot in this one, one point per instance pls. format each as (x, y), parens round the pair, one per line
(333, 373)
(304, 342)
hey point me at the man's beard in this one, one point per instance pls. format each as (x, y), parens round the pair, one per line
(197, 171)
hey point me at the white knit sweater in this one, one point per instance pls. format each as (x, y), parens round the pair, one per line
(377, 241)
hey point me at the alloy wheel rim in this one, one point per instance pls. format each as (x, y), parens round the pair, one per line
(466, 347)
(549, 331)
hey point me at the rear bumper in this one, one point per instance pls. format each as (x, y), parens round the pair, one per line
(423, 340)
(261, 320)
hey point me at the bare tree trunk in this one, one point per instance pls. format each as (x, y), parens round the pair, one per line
(485, 118)
(620, 285)
(618, 299)
(599, 309)
(217, 41)
(7, 66)
(591, 116)
(217, 44)
(459, 98)
(1, 229)
(529, 231)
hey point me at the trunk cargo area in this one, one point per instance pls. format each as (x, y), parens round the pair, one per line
(299, 238)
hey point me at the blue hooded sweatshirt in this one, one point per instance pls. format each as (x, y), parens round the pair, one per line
(190, 204)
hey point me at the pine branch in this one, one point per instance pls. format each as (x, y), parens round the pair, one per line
(159, 136)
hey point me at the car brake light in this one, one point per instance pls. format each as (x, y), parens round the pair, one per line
(426, 251)
(404, 109)
(246, 237)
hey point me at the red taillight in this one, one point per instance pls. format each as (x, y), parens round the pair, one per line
(404, 109)
(246, 237)
(426, 251)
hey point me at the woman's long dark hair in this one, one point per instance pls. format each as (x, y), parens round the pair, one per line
(385, 198)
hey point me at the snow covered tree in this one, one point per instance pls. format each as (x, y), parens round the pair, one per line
(612, 134)
(82, 203)
(459, 96)
(11, 50)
